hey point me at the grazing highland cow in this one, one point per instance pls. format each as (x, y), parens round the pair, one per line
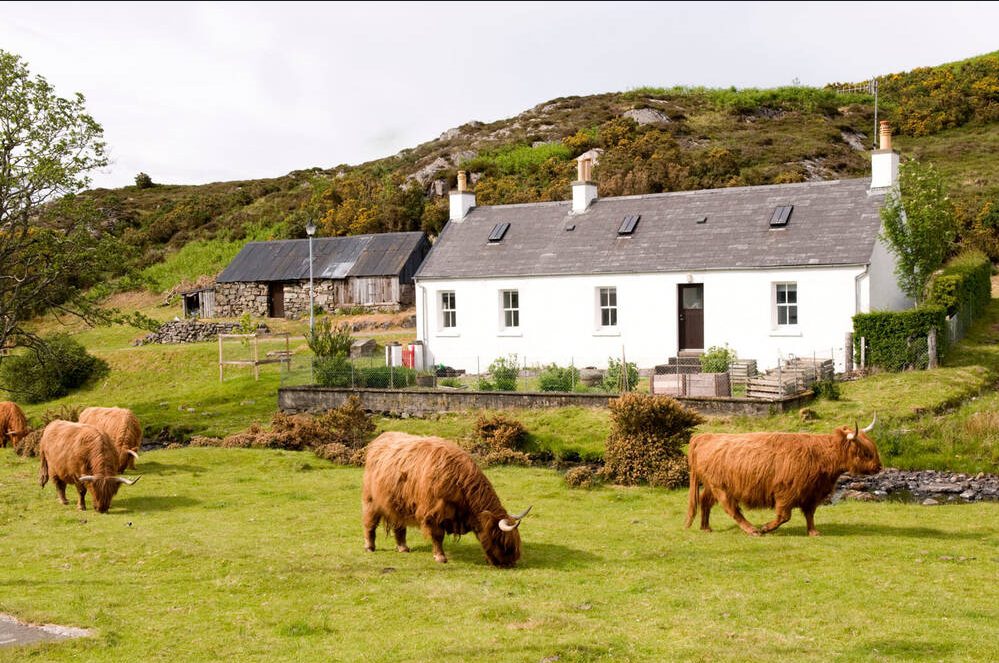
(80, 454)
(122, 426)
(777, 470)
(433, 483)
(13, 425)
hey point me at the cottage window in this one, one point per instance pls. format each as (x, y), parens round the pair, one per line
(511, 309)
(449, 312)
(608, 307)
(787, 304)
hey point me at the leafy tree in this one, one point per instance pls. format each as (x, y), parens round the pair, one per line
(55, 250)
(143, 181)
(919, 226)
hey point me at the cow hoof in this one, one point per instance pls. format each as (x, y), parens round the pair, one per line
(813, 532)
(369, 548)
(707, 529)
(64, 502)
(402, 548)
(754, 532)
(440, 559)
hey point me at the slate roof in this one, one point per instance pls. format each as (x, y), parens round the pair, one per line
(832, 223)
(383, 254)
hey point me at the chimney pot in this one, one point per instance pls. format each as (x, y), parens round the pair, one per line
(583, 170)
(885, 142)
(462, 181)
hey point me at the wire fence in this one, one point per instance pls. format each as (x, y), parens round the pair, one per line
(914, 352)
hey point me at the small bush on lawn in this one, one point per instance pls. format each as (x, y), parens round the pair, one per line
(556, 378)
(332, 371)
(325, 340)
(828, 389)
(499, 432)
(454, 383)
(484, 384)
(717, 359)
(53, 372)
(506, 457)
(505, 371)
(384, 377)
(335, 452)
(647, 437)
(582, 476)
(613, 378)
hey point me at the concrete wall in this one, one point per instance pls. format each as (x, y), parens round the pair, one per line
(419, 402)
(559, 320)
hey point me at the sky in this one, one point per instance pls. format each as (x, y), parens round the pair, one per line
(202, 92)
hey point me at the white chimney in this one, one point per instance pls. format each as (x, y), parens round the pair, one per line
(584, 191)
(462, 200)
(884, 161)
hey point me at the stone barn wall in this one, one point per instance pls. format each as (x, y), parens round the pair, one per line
(233, 299)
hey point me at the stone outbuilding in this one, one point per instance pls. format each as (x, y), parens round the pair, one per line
(271, 279)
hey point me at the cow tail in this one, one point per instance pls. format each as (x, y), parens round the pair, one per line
(692, 498)
(43, 476)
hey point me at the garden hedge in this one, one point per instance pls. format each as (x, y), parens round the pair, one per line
(895, 338)
(964, 281)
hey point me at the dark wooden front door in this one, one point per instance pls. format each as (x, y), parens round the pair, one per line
(275, 300)
(691, 316)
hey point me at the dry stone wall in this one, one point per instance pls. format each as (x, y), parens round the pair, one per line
(188, 331)
(233, 299)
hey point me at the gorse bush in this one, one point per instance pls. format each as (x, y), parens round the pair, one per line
(582, 476)
(717, 359)
(647, 439)
(499, 432)
(325, 340)
(505, 371)
(556, 378)
(47, 373)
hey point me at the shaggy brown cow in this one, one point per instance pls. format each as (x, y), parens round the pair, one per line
(433, 483)
(122, 426)
(80, 454)
(13, 425)
(777, 470)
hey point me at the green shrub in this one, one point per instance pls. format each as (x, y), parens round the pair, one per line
(50, 372)
(717, 359)
(499, 432)
(449, 382)
(332, 371)
(384, 377)
(894, 337)
(647, 438)
(966, 280)
(483, 384)
(555, 378)
(505, 371)
(828, 389)
(325, 340)
(613, 379)
(143, 181)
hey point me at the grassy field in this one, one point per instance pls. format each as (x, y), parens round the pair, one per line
(254, 555)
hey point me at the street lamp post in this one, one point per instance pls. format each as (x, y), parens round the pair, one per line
(310, 230)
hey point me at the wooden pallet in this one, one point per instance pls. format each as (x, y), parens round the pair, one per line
(741, 370)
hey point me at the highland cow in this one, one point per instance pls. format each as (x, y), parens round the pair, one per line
(433, 483)
(13, 425)
(80, 454)
(776, 470)
(122, 426)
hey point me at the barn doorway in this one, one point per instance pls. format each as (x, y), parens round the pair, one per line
(275, 300)
(690, 299)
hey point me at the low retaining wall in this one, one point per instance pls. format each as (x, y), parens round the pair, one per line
(420, 402)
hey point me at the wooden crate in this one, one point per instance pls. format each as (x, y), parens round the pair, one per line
(709, 384)
(741, 370)
(672, 384)
(768, 386)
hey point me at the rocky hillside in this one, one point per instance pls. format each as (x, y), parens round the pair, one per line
(643, 141)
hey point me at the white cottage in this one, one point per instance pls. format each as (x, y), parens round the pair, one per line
(769, 270)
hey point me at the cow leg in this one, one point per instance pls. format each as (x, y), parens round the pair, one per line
(707, 501)
(436, 535)
(81, 505)
(400, 539)
(370, 517)
(782, 515)
(732, 508)
(809, 512)
(61, 490)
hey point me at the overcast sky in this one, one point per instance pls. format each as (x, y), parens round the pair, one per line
(203, 92)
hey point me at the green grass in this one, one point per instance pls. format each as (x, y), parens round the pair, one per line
(253, 555)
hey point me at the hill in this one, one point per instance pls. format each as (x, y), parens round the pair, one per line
(647, 140)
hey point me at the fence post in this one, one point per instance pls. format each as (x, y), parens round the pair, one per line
(931, 347)
(848, 358)
(863, 352)
(780, 381)
(572, 372)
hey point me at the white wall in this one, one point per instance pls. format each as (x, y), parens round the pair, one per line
(885, 295)
(559, 320)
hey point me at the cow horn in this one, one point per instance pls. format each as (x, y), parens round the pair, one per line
(132, 452)
(871, 427)
(126, 481)
(87, 477)
(506, 527)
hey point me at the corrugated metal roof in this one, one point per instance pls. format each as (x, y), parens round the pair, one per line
(384, 254)
(834, 223)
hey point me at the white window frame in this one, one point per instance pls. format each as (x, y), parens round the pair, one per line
(513, 311)
(447, 314)
(611, 309)
(787, 306)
